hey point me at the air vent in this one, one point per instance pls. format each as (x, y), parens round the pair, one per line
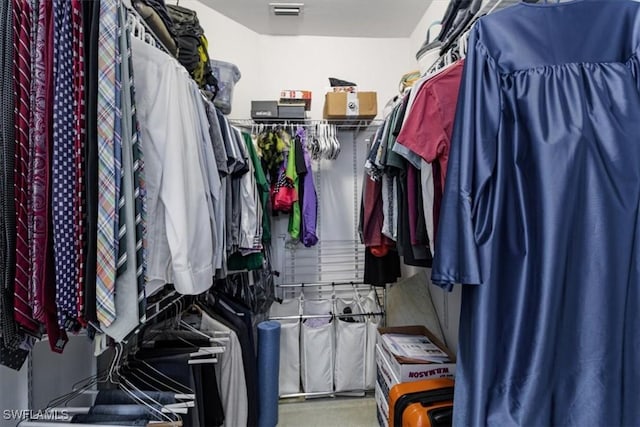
(286, 9)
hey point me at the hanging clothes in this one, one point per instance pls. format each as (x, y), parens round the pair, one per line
(177, 212)
(295, 167)
(263, 188)
(115, 185)
(309, 197)
(540, 217)
(91, 16)
(427, 130)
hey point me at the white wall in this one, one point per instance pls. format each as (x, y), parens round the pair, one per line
(231, 42)
(307, 62)
(13, 393)
(270, 64)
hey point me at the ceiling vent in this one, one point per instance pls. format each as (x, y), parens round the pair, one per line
(286, 9)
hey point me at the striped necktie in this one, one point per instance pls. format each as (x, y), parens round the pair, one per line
(22, 15)
(11, 337)
(139, 189)
(109, 155)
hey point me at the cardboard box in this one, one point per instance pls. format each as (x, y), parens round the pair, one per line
(264, 110)
(406, 371)
(382, 406)
(296, 97)
(386, 375)
(360, 105)
(292, 111)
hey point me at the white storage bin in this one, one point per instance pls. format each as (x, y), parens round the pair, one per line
(369, 304)
(351, 347)
(289, 379)
(317, 347)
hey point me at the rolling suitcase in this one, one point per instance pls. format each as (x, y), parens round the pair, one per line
(427, 403)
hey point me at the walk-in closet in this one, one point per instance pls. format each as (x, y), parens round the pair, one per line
(319, 213)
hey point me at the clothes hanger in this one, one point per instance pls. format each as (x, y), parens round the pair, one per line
(140, 375)
(143, 27)
(337, 146)
(202, 351)
(113, 376)
(182, 391)
(134, 392)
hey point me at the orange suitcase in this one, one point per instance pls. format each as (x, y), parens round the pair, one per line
(427, 403)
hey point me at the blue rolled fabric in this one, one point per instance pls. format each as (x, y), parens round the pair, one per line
(268, 372)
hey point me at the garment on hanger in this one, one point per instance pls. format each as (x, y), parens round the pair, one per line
(540, 214)
(263, 188)
(129, 282)
(427, 130)
(392, 211)
(91, 14)
(248, 355)
(171, 152)
(426, 133)
(295, 167)
(309, 198)
(208, 165)
(229, 372)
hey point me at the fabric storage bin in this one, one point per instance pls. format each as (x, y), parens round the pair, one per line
(227, 75)
(289, 378)
(351, 347)
(317, 346)
(369, 304)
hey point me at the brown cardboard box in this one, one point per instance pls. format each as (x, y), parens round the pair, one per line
(407, 370)
(360, 105)
(296, 97)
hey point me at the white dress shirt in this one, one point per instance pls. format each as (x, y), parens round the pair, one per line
(180, 250)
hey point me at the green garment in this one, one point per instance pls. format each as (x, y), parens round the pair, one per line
(295, 219)
(263, 188)
(250, 262)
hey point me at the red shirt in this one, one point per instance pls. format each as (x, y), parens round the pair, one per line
(429, 125)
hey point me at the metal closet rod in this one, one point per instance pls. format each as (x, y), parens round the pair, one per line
(306, 123)
(323, 393)
(302, 285)
(320, 316)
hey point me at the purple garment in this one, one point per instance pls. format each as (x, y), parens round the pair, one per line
(309, 202)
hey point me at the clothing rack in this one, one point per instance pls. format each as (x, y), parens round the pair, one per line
(333, 331)
(477, 9)
(343, 124)
(302, 285)
(154, 310)
(323, 394)
(356, 286)
(322, 316)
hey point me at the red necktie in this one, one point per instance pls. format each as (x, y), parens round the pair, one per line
(22, 84)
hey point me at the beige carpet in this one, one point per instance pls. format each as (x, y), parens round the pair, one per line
(328, 412)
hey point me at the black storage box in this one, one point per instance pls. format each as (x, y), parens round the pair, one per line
(264, 110)
(294, 111)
